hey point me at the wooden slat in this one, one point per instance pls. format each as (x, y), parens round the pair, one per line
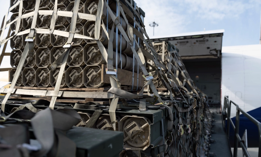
(31, 92)
(64, 89)
(5, 69)
(103, 89)
(82, 101)
(103, 95)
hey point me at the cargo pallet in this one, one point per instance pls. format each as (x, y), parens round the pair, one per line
(150, 120)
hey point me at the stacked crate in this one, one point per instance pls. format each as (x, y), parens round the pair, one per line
(153, 123)
(85, 63)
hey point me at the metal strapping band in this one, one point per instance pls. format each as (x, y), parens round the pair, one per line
(4, 48)
(4, 26)
(98, 20)
(18, 23)
(117, 23)
(68, 48)
(94, 118)
(110, 60)
(113, 106)
(27, 50)
(29, 47)
(54, 17)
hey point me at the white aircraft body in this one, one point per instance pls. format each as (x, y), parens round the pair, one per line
(219, 71)
(241, 76)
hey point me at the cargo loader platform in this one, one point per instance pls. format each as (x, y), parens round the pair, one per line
(220, 147)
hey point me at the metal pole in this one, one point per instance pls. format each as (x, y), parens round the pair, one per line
(236, 133)
(259, 147)
(107, 17)
(228, 117)
(121, 47)
(117, 32)
(134, 58)
(154, 24)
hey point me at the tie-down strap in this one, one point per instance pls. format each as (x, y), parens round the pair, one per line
(50, 128)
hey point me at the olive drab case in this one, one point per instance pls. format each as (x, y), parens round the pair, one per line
(86, 80)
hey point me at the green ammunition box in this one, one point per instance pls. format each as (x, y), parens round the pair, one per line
(96, 143)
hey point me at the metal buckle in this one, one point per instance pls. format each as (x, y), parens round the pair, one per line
(67, 46)
(147, 78)
(27, 39)
(2, 119)
(111, 72)
(181, 130)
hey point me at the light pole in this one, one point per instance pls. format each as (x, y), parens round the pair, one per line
(154, 24)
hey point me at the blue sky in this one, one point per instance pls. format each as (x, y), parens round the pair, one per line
(239, 18)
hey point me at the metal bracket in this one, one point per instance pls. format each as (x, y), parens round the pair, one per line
(111, 72)
(27, 39)
(67, 46)
(147, 78)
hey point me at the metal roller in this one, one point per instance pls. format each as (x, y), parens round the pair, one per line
(43, 40)
(93, 6)
(17, 42)
(53, 78)
(79, 30)
(128, 63)
(43, 57)
(92, 76)
(57, 40)
(126, 48)
(93, 56)
(46, 4)
(27, 22)
(81, 7)
(104, 123)
(136, 131)
(16, 9)
(13, 25)
(30, 61)
(89, 27)
(61, 2)
(56, 52)
(76, 57)
(29, 5)
(44, 21)
(29, 78)
(15, 57)
(74, 77)
(61, 20)
(42, 77)
(20, 78)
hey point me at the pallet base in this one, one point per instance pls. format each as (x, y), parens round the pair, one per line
(102, 89)
(66, 95)
(80, 101)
